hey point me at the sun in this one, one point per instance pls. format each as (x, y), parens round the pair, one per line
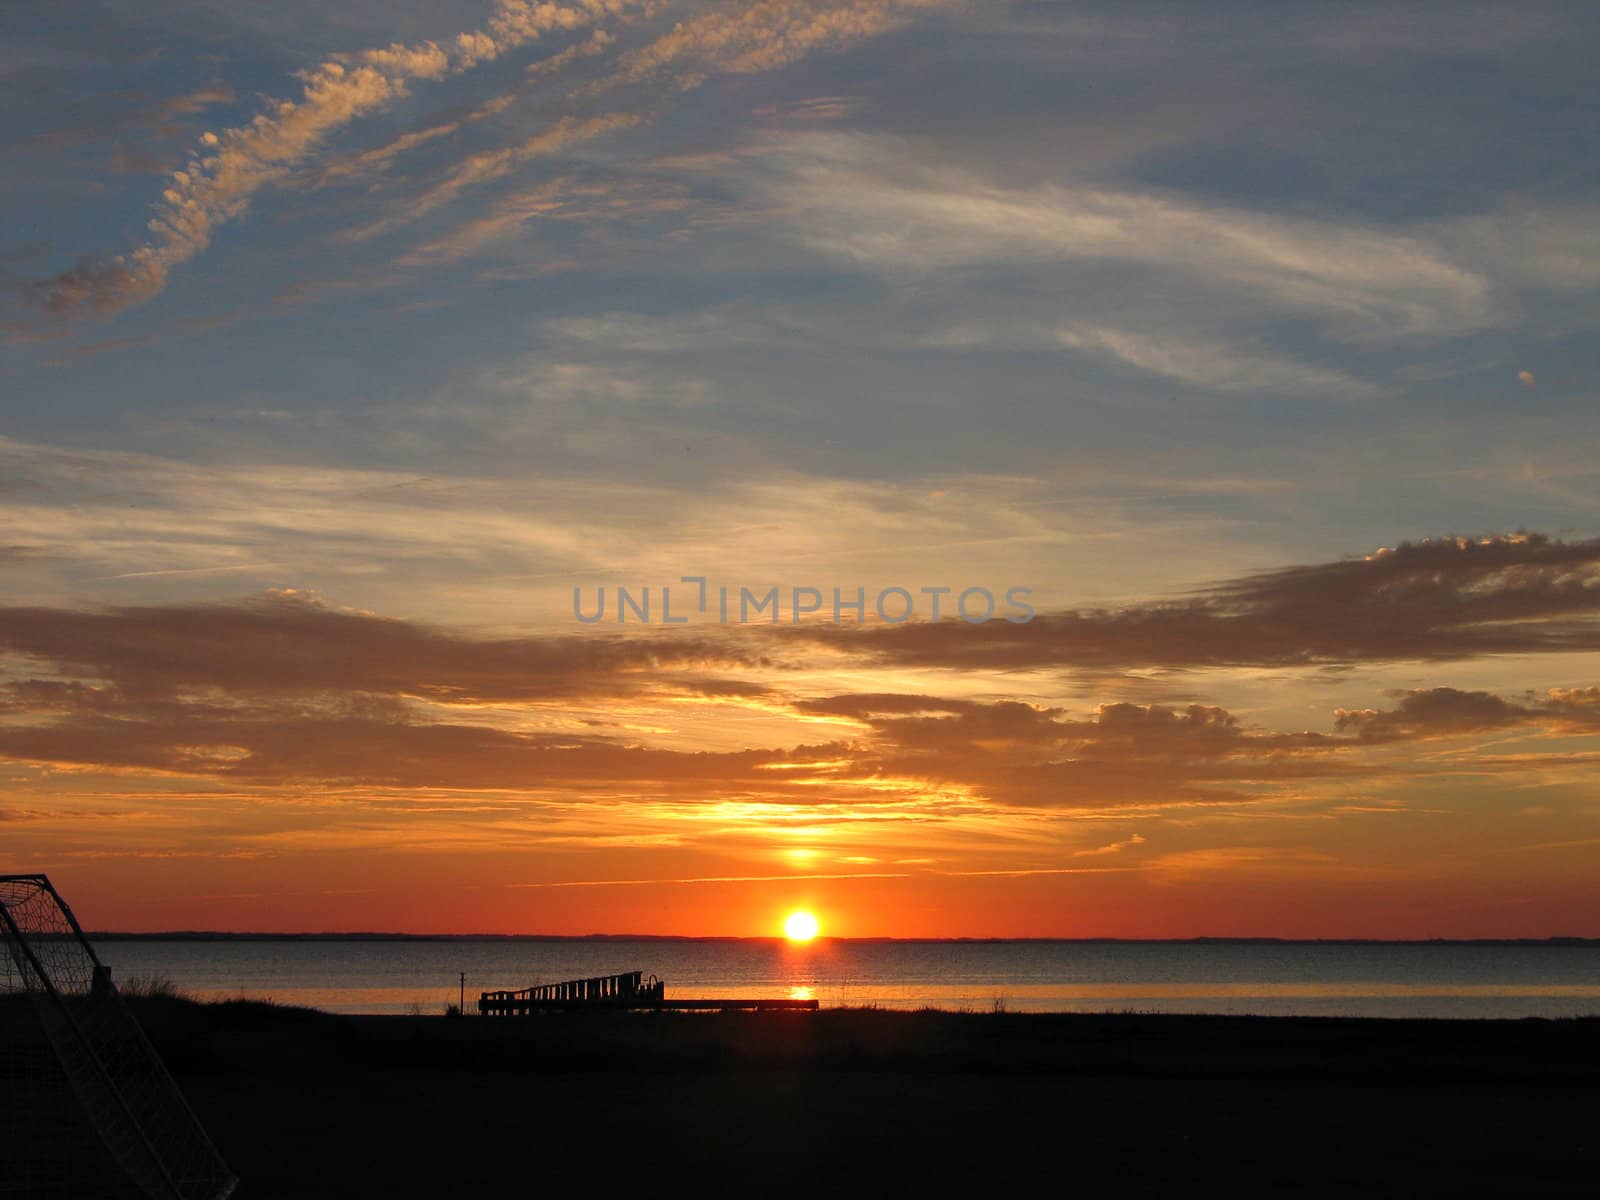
(800, 927)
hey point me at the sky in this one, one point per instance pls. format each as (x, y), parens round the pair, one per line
(358, 356)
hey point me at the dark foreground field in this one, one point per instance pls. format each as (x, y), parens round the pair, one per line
(304, 1104)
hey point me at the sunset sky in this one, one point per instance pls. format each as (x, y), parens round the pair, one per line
(343, 341)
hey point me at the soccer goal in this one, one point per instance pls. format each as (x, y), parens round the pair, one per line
(88, 1107)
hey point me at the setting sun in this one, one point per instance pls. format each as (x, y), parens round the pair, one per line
(800, 927)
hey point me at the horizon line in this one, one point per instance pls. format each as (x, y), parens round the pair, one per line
(376, 935)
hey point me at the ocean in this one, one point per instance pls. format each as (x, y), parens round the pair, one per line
(1273, 978)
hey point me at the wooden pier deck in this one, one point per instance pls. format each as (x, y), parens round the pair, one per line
(630, 990)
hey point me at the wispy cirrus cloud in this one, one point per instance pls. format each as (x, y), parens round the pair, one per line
(363, 165)
(1556, 247)
(702, 331)
(222, 177)
(229, 168)
(762, 35)
(564, 199)
(745, 39)
(1215, 365)
(489, 165)
(1204, 361)
(873, 202)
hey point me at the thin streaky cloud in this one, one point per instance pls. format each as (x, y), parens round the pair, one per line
(756, 37)
(193, 571)
(224, 174)
(1215, 365)
(490, 165)
(588, 883)
(228, 169)
(1025, 872)
(873, 202)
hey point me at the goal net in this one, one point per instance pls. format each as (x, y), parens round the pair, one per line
(88, 1107)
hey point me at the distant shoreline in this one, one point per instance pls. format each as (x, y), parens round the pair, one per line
(221, 936)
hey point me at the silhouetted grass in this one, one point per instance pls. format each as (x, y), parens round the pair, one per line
(150, 987)
(308, 1104)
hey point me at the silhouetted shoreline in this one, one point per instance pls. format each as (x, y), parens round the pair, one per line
(310, 1104)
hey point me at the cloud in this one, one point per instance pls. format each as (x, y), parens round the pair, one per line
(761, 35)
(363, 165)
(287, 748)
(1215, 365)
(288, 644)
(489, 165)
(1363, 34)
(366, 163)
(509, 549)
(586, 883)
(1446, 712)
(229, 168)
(561, 199)
(1541, 246)
(1580, 702)
(1436, 712)
(221, 178)
(1437, 599)
(1252, 862)
(285, 693)
(22, 553)
(1114, 847)
(815, 110)
(1121, 755)
(282, 691)
(1009, 727)
(744, 39)
(872, 202)
(636, 333)
(524, 543)
(313, 291)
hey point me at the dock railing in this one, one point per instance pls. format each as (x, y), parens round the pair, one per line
(631, 989)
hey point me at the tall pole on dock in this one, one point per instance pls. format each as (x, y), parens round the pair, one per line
(463, 1005)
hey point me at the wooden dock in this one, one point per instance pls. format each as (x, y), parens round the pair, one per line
(630, 990)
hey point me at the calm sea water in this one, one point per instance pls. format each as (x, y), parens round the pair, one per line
(1380, 981)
